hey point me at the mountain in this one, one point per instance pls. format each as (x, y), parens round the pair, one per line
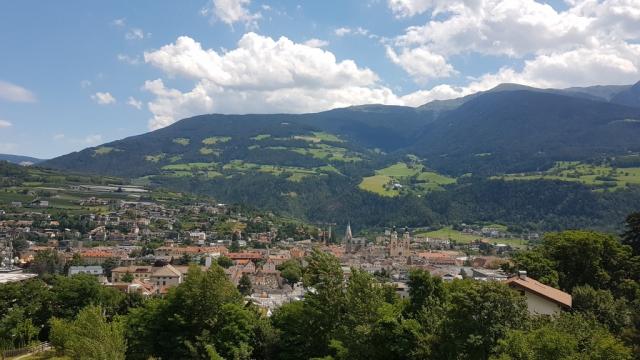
(382, 165)
(629, 97)
(525, 130)
(19, 159)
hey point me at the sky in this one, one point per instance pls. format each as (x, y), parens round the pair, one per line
(78, 73)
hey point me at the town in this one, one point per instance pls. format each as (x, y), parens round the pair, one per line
(147, 247)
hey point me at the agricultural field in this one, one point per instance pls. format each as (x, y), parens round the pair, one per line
(402, 177)
(328, 152)
(181, 141)
(155, 158)
(215, 140)
(318, 137)
(104, 150)
(465, 238)
(600, 177)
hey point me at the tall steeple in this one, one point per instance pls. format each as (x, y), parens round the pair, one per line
(348, 237)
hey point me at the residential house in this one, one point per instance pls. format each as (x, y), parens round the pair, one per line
(541, 299)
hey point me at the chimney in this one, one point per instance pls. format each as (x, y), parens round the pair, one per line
(522, 275)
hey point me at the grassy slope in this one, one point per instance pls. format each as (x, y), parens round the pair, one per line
(584, 173)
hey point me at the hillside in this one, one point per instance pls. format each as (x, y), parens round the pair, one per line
(19, 159)
(387, 164)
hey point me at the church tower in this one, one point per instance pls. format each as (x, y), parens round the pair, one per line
(406, 242)
(348, 239)
(393, 243)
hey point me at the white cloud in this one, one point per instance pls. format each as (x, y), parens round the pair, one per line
(233, 11)
(343, 31)
(5, 124)
(93, 139)
(421, 63)
(58, 137)
(591, 42)
(316, 43)
(14, 93)
(408, 8)
(119, 22)
(85, 83)
(260, 75)
(132, 60)
(134, 34)
(134, 102)
(103, 98)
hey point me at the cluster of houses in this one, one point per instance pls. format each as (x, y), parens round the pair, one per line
(123, 260)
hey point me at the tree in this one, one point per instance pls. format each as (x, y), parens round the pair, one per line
(424, 290)
(71, 294)
(235, 246)
(588, 258)
(567, 337)
(536, 265)
(244, 285)
(225, 262)
(291, 271)
(477, 315)
(631, 235)
(47, 262)
(128, 277)
(201, 317)
(108, 265)
(89, 336)
(600, 305)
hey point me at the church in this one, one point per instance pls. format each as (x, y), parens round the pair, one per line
(399, 247)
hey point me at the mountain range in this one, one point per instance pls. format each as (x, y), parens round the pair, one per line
(377, 151)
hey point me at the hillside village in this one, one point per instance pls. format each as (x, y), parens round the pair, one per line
(147, 247)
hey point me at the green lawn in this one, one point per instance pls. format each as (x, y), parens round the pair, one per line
(594, 175)
(104, 150)
(425, 181)
(261, 137)
(181, 141)
(155, 158)
(215, 140)
(460, 237)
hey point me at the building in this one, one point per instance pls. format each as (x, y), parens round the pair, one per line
(91, 270)
(399, 247)
(541, 299)
(348, 239)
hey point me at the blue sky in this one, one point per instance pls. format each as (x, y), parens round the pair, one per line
(75, 74)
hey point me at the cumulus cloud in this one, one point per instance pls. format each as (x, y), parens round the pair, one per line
(103, 98)
(14, 93)
(233, 11)
(591, 42)
(134, 102)
(408, 8)
(316, 43)
(260, 75)
(421, 63)
(5, 124)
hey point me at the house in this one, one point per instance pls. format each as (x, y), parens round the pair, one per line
(91, 270)
(137, 271)
(166, 276)
(541, 299)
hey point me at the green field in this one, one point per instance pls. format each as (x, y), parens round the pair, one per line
(181, 141)
(215, 140)
(155, 158)
(598, 176)
(328, 152)
(104, 150)
(318, 137)
(261, 137)
(412, 177)
(464, 238)
(209, 151)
